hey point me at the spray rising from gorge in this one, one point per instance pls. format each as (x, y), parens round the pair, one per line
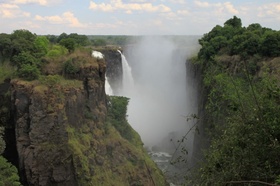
(162, 89)
(159, 97)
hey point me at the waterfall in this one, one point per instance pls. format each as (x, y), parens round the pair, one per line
(108, 88)
(127, 81)
(161, 101)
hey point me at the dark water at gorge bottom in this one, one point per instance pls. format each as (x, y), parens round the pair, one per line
(174, 173)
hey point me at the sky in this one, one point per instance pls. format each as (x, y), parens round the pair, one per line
(133, 17)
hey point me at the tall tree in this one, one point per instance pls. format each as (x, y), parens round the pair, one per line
(22, 40)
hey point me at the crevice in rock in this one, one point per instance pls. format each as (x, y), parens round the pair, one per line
(86, 87)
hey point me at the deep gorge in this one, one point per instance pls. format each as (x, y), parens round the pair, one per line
(184, 113)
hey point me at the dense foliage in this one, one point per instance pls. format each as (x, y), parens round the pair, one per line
(234, 39)
(27, 52)
(117, 107)
(8, 172)
(239, 69)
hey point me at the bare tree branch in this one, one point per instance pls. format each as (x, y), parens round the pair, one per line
(251, 181)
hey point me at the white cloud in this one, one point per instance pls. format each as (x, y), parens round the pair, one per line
(183, 12)
(226, 7)
(40, 2)
(12, 11)
(128, 7)
(202, 4)
(269, 10)
(230, 8)
(72, 20)
(51, 19)
(138, 1)
(178, 1)
(67, 18)
(171, 16)
(103, 7)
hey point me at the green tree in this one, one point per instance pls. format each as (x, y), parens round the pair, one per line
(234, 22)
(5, 46)
(22, 33)
(8, 173)
(57, 50)
(41, 45)
(81, 40)
(117, 116)
(70, 67)
(219, 42)
(68, 43)
(52, 38)
(235, 44)
(252, 43)
(29, 72)
(271, 44)
(62, 36)
(22, 41)
(25, 58)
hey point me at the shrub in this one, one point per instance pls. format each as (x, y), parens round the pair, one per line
(29, 72)
(56, 51)
(8, 173)
(117, 116)
(50, 80)
(70, 67)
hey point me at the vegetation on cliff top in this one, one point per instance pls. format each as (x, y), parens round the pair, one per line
(26, 54)
(240, 68)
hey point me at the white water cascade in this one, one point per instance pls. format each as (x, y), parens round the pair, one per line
(127, 80)
(108, 88)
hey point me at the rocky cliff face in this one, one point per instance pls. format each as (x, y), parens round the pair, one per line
(42, 116)
(60, 135)
(114, 71)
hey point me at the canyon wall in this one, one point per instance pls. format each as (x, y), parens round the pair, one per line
(57, 132)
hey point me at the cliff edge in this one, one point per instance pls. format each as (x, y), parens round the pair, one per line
(58, 132)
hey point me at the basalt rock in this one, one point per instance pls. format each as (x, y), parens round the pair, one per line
(42, 116)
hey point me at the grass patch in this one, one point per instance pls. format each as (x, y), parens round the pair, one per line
(57, 80)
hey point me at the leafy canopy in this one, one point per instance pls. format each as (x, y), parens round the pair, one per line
(242, 108)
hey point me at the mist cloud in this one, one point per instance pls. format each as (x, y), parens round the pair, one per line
(160, 98)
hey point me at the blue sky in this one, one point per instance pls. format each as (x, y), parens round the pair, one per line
(133, 17)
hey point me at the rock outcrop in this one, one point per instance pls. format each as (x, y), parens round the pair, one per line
(61, 137)
(114, 70)
(42, 116)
